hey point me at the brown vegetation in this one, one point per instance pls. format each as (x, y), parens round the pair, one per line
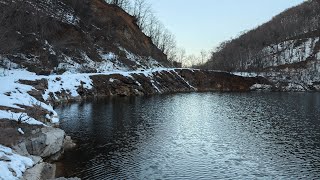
(40, 34)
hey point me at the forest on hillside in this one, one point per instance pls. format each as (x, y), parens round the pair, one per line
(244, 52)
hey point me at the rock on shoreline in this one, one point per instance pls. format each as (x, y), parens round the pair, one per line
(37, 143)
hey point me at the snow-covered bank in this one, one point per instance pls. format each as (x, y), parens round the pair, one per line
(17, 104)
(12, 165)
(15, 95)
(18, 88)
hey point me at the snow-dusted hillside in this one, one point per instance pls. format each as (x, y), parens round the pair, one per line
(285, 49)
(55, 9)
(58, 36)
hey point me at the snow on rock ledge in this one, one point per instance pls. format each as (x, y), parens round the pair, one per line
(68, 83)
(15, 99)
(261, 87)
(12, 165)
(15, 96)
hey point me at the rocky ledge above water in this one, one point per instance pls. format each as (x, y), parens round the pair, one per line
(157, 82)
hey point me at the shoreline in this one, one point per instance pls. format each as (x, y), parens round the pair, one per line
(45, 139)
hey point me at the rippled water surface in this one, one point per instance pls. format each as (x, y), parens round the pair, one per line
(195, 136)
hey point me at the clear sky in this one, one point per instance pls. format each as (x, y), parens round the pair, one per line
(203, 24)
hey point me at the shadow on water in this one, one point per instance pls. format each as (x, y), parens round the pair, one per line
(194, 136)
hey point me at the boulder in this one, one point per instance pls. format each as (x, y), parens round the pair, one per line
(36, 144)
(47, 142)
(40, 171)
(68, 143)
(54, 141)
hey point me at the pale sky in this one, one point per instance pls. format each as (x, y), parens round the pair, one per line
(203, 24)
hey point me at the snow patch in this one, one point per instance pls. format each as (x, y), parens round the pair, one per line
(50, 48)
(12, 165)
(68, 83)
(154, 86)
(71, 19)
(110, 63)
(20, 131)
(140, 62)
(112, 80)
(13, 95)
(260, 87)
(245, 74)
(190, 86)
(318, 56)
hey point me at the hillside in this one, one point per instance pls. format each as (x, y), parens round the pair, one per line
(285, 49)
(56, 36)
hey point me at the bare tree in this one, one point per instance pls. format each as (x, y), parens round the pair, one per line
(204, 56)
(191, 60)
(124, 4)
(141, 10)
(150, 25)
(181, 55)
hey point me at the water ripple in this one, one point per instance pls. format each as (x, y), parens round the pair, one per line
(195, 136)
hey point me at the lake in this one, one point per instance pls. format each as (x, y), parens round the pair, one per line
(194, 136)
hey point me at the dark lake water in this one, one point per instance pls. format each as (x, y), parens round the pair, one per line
(195, 136)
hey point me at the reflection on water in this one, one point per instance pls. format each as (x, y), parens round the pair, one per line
(195, 136)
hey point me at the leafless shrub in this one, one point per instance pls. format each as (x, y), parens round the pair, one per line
(23, 118)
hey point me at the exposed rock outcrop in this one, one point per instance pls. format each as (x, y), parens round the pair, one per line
(159, 82)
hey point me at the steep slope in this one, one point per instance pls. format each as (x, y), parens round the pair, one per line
(286, 49)
(75, 36)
